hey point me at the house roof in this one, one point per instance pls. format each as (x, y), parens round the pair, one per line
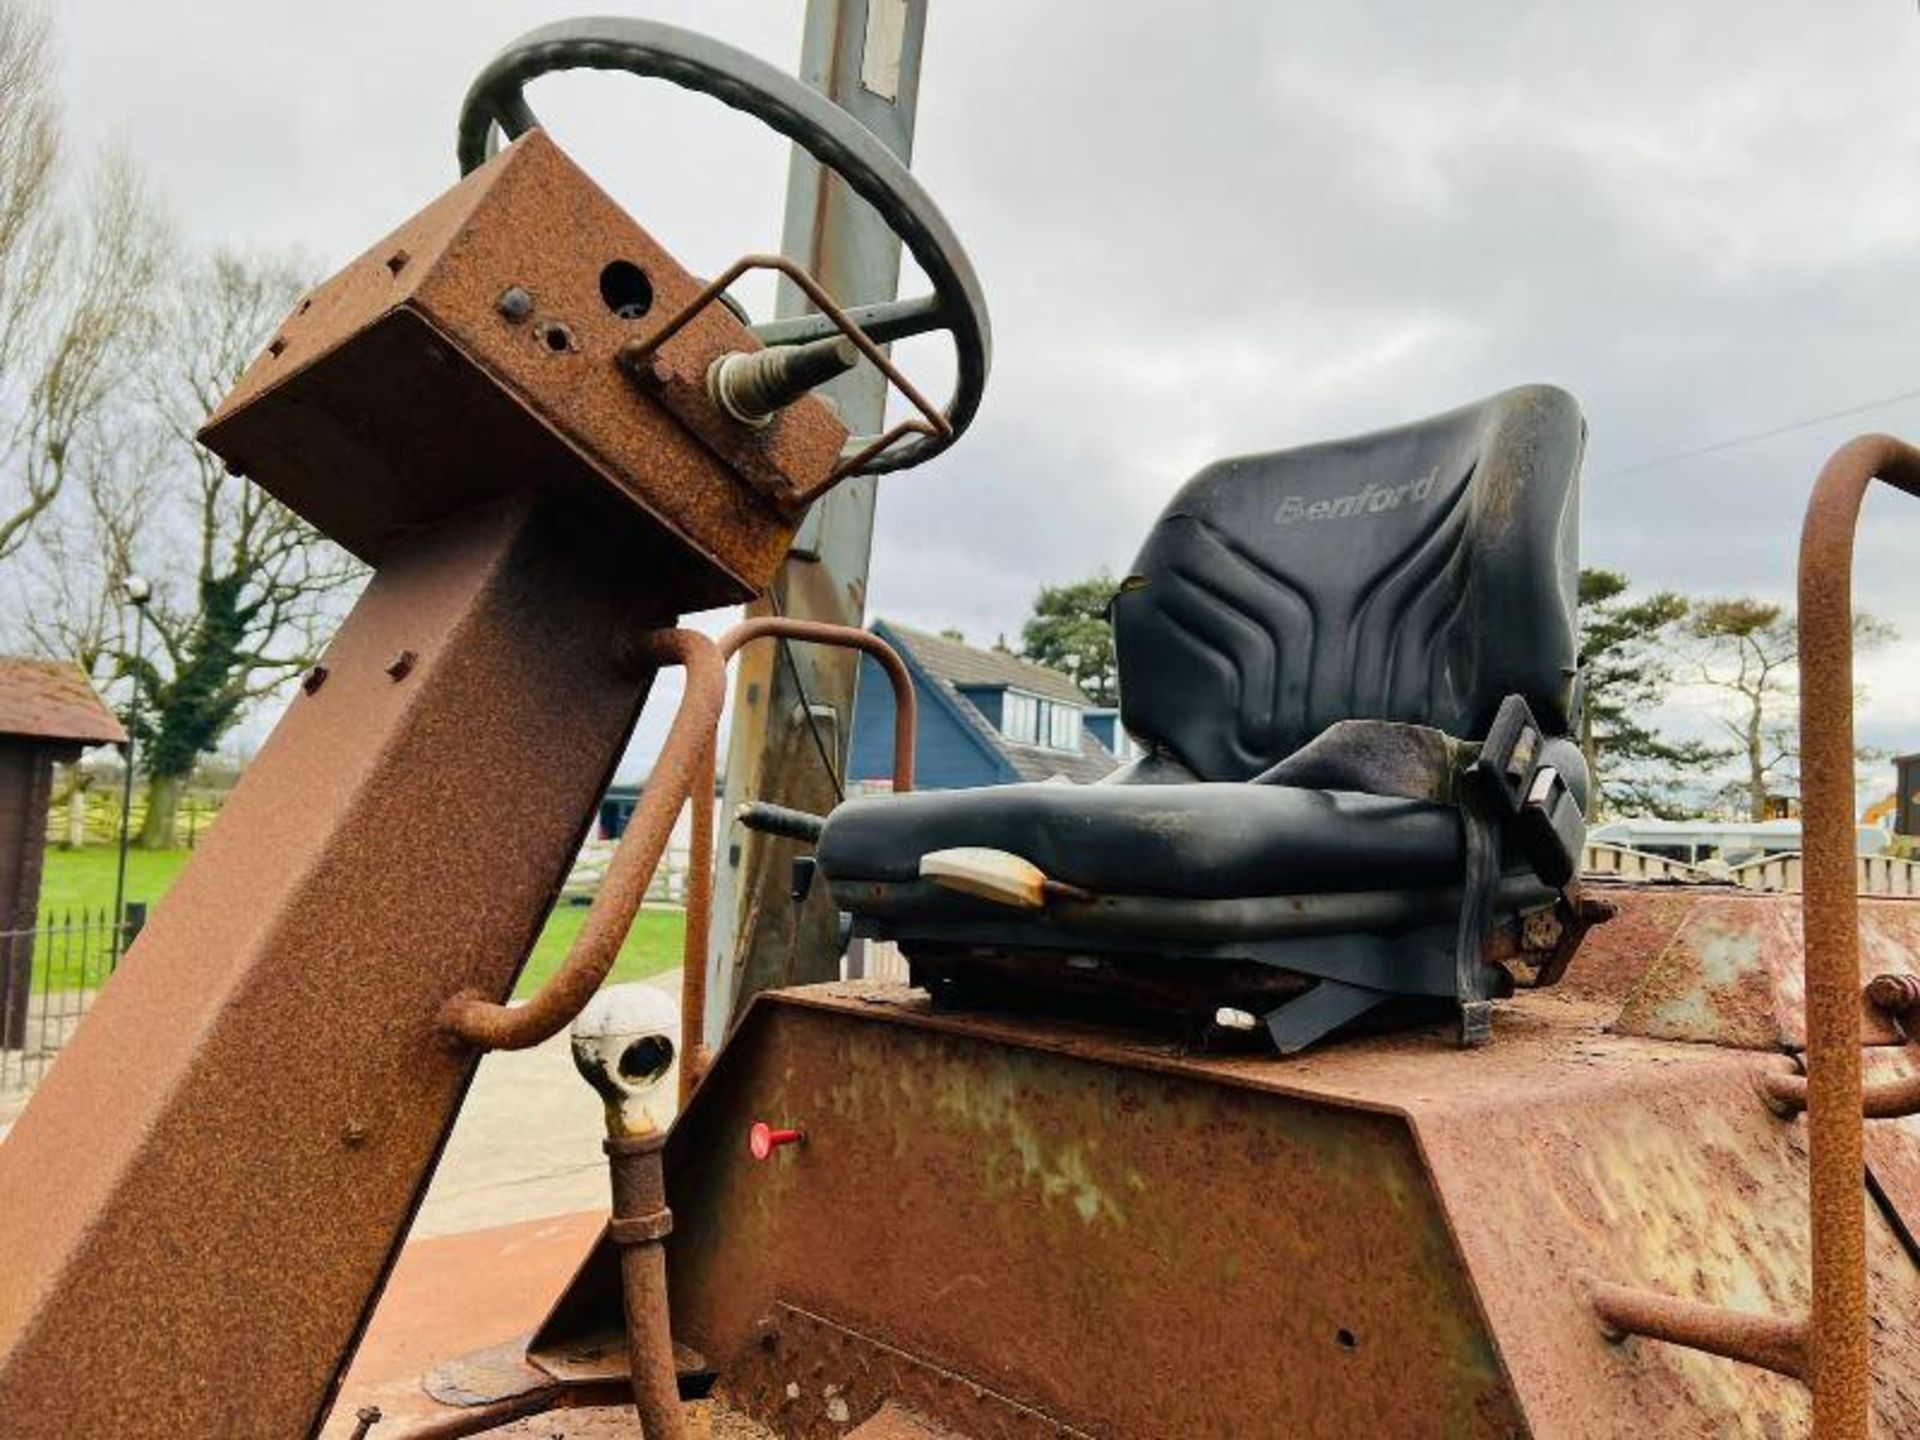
(954, 668)
(964, 666)
(53, 700)
(1035, 762)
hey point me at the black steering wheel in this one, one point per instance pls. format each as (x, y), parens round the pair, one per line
(497, 102)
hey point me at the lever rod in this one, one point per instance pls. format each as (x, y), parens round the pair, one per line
(755, 386)
(783, 820)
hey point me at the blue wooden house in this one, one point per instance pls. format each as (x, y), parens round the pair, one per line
(986, 718)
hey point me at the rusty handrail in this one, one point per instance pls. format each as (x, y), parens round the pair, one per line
(847, 637)
(693, 972)
(1833, 1341)
(481, 1022)
(1836, 1132)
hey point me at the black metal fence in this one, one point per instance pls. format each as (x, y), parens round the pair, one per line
(49, 977)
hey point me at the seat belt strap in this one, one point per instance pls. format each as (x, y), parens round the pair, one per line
(1378, 757)
(1524, 798)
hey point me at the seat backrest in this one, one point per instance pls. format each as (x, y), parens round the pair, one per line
(1422, 574)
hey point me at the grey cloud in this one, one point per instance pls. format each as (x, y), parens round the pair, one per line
(1219, 229)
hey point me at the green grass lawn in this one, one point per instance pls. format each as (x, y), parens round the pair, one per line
(652, 945)
(77, 880)
(80, 880)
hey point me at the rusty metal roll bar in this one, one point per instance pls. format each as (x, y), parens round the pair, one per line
(479, 1021)
(693, 973)
(1836, 1131)
(1830, 1347)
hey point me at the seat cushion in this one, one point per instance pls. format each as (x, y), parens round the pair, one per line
(1194, 841)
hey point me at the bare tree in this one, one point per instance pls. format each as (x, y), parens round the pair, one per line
(264, 590)
(1748, 651)
(71, 575)
(73, 571)
(73, 287)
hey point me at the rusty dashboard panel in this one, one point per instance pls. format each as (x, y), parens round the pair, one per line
(416, 370)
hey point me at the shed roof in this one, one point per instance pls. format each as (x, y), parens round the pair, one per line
(53, 700)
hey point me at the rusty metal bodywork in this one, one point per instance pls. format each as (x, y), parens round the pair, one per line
(1732, 972)
(412, 372)
(1135, 1242)
(262, 1090)
(1013, 1226)
(265, 1089)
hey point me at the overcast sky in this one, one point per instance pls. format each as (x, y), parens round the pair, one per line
(1210, 229)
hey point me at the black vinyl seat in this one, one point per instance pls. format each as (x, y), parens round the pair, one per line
(1420, 580)
(1205, 840)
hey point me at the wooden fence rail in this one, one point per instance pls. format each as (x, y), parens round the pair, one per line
(1878, 874)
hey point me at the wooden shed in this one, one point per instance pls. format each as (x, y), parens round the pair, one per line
(49, 713)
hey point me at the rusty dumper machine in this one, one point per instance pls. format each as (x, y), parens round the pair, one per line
(1287, 1084)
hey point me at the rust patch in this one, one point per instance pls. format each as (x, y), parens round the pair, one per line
(1732, 971)
(1034, 1197)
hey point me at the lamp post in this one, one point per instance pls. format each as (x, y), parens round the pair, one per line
(138, 593)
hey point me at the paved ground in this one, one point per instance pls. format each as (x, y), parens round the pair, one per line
(527, 1143)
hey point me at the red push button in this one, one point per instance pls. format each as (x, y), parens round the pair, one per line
(763, 1139)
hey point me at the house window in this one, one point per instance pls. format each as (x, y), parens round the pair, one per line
(1063, 727)
(1029, 720)
(1020, 718)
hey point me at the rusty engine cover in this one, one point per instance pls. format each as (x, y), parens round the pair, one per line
(1015, 1225)
(414, 371)
(1028, 1228)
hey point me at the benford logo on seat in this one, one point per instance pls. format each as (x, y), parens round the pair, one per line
(1368, 500)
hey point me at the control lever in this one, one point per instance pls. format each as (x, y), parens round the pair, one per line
(770, 819)
(755, 386)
